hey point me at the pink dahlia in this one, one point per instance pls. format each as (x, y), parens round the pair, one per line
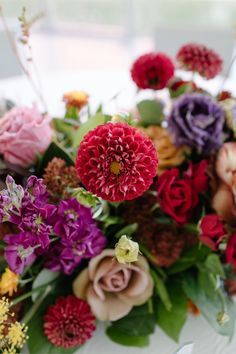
(116, 162)
(152, 70)
(69, 322)
(199, 58)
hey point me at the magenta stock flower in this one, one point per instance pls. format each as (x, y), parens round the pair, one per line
(116, 162)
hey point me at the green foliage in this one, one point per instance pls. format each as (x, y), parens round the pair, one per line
(161, 290)
(133, 329)
(151, 112)
(210, 303)
(53, 150)
(171, 321)
(45, 277)
(190, 259)
(127, 230)
(91, 123)
(84, 197)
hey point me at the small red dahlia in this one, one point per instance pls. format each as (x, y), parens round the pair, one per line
(69, 322)
(152, 71)
(116, 162)
(199, 58)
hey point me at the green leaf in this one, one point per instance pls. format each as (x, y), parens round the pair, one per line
(130, 341)
(161, 290)
(209, 307)
(143, 320)
(189, 259)
(127, 230)
(43, 278)
(38, 342)
(208, 282)
(91, 123)
(151, 112)
(53, 150)
(214, 265)
(173, 320)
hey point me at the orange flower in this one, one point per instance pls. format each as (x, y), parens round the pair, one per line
(77, 99)
(192, 308)
(168, 154)
(8, 282)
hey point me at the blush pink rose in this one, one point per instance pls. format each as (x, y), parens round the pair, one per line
(24, 134)
(112, 288)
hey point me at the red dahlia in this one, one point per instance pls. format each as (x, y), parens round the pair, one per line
(116, 162)
(199, 58)
(152, 70)
(69, 322)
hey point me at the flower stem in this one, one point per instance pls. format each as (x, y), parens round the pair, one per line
(36, 305)
(27, 295)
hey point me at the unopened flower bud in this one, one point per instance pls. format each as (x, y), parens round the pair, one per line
(222, 318)
(126, 250)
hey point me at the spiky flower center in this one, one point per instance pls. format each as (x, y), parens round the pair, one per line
(115, 168)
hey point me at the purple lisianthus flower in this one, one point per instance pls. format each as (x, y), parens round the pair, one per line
(19, 251)
(70, 216)
(197, 120)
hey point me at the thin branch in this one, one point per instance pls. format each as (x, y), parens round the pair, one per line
(23, 68)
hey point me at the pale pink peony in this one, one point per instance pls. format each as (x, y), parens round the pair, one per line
(24, 134)
(111, 288)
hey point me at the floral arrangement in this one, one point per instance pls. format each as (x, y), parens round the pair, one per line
(127, 219)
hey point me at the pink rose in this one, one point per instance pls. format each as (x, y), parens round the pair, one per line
(24, 134)
(111, 288)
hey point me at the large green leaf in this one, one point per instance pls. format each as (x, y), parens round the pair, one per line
(91, 123)
(214, 265)
(161, 290)
(210, 306)
(38, 342)
(173, 320)
(189, 259)
(130, 341)
(53, 150)
(43, 278)
(151, 112)
(139, 322)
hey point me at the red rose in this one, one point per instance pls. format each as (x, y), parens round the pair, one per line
(198, 175)
(231, 250)
(212, 231)
(176, 195)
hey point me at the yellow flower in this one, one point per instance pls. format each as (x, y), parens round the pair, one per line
(168, 154)
(77, 99)
(8, 282)
(222, 318)
(9, 350)
(17, 334)
(126, 250)
(4, 309)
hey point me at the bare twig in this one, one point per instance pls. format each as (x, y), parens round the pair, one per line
(22, 66)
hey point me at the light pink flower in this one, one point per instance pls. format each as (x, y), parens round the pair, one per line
(24, 134)
(111, 288)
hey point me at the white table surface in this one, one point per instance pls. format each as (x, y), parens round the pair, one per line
(102, 86)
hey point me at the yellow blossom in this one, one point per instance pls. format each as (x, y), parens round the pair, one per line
(4, 309)
(9, 350)
(126, 250)
(17, 334)
(77, 99)
(8, 282)
(168, 154)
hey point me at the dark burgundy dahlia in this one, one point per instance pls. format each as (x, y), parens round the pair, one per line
(201, 59)
(152, 71)
(116, 162)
